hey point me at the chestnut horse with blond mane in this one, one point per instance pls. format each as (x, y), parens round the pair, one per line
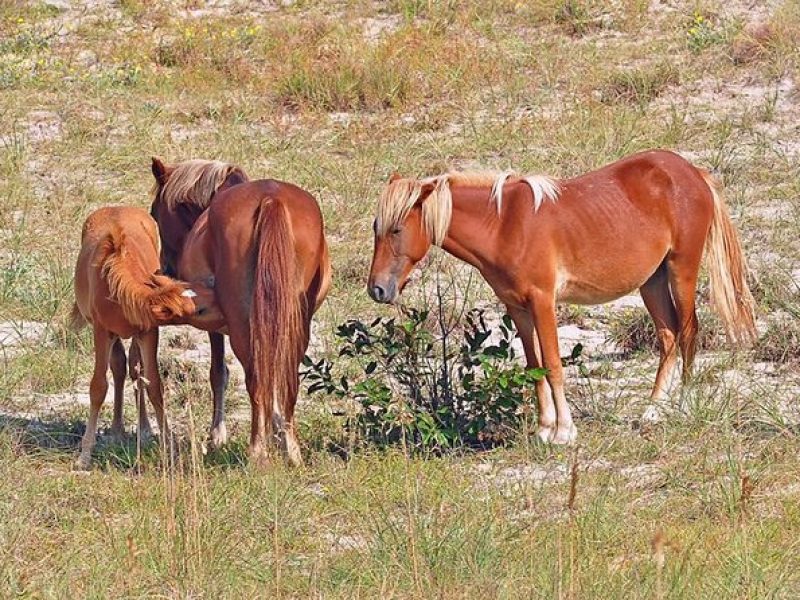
(119, 291)
(641, 222)
(262, 245)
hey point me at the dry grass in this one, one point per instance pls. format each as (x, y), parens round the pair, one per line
(334, 97)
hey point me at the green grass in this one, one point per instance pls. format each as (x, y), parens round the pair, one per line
(335, 97)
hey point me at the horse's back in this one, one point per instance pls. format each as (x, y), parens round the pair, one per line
(234, 211)
(115, 221)
(102, 230)
(611, 228)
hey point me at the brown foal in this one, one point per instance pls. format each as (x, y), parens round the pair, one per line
(119, 291)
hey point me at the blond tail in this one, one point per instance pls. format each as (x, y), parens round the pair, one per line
(727, 270)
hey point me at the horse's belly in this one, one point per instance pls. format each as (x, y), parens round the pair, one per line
(573, 290)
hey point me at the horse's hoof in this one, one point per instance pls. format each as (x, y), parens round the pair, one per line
(258, 456)
(652, 414)
(117, 436)
(218, 437)
(546, 434)
(83, 463)
(566, 435)
(293, 455)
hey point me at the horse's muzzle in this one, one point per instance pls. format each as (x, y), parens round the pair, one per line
(385, 293)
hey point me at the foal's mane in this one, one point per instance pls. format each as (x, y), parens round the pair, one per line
(402, 194)
(194, 182)
(130, 286)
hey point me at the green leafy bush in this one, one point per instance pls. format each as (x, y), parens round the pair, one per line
(427, 391)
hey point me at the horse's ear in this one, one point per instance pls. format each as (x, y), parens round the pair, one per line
(394, 177)
(160, 171)
(426, 189)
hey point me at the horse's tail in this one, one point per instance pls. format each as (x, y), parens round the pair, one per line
(326, 274)
(727, 269)
(76, 319)
(276, 321)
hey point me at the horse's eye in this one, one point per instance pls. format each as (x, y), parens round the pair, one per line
(396, 230)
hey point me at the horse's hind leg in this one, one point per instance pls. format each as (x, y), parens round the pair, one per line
(683, 270)
(98, 387)
(292, 445)
(257, 450)
(219, 380)
(239, 333)
(658, 301)
(119, 371)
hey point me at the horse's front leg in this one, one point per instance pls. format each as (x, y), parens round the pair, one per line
(219, 380)
(523, 320)
(546, 325)
(148, 348)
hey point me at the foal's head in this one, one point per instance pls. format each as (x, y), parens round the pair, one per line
(176, 302)
(412, 214)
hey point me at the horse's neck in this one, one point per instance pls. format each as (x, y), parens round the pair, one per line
(473, 227)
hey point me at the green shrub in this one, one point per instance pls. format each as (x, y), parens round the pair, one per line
(425, 391)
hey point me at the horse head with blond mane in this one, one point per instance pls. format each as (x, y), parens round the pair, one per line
(414, 214)
(181, 193)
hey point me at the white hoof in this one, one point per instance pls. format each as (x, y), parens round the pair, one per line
(293, 453)
(219, 436)
(565, 435)
(652, 414)
(546, 434)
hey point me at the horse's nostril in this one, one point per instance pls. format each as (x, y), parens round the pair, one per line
(378, 293)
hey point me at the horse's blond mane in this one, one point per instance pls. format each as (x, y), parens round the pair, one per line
(135, 290)
(194, 182)
(400, 196)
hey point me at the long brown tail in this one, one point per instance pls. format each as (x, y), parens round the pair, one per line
(727, 269)
(276, 321)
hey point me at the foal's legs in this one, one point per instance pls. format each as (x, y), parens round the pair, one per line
(98, 387)
(546, 326)
(148, 346)
(119, 371)
(533, 354)
(219, 380)
(138, 377)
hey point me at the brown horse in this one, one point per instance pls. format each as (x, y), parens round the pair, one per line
(262, 244)
(176, 208)
(119, 290)
(641, 222)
